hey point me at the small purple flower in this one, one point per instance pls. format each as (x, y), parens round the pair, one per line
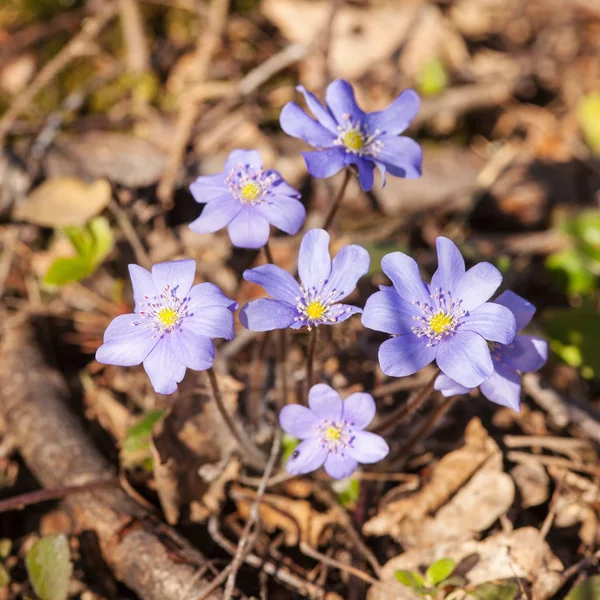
(447, 321)
(525, 354)
(316, 301)
(332, 433)
(247, 199)
(172, 326)
(346, 135)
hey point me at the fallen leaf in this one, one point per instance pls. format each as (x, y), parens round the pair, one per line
(64, 201)
(533, 483)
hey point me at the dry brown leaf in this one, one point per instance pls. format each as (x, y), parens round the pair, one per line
(521, 553)
(448, 476)
(533, 483)
(296, 518)
(64, 201)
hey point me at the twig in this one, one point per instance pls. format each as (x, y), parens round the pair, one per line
(338, 199)
(310, 359)
(141, 256)
(557, 461)
(23, 500)
(136, 46)
(253, 518)
(78, 46)
(10, 239)
(254, 454)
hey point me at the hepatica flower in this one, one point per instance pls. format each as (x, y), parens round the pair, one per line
(332, 433)
(447, 321)
(248, 200)
(172, 326)
(317, 299)
(524, 354)
(346, 135)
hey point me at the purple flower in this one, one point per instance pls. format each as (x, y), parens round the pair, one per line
(524, 354)
(346, 135)
(316, 301)
(172, 326)
(448, 320)
(248, 200)
(332, 433)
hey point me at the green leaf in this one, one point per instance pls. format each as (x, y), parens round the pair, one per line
(103, 239)
(81, 239)
(570, 269)
(49, 567)
(136, 445)
(586, 590)
(588, 114)
(288, 445)
(5, 548)
(350, 492)
(411, 579)
(4, 578)
(66, 270)
(502, 590)
(433, 79)
(439, 570)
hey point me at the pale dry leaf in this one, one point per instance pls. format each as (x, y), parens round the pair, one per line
(533, 483)
(201, 509)
(64, 201)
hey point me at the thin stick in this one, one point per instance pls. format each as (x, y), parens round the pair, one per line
(131, 235)
(242, 439)
(23, 500)
(268, 253)
(254, 516)
(409, 408)
(338, 200)
(310, 359)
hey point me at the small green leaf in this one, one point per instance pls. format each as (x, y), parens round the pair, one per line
(103, 239)
(588, 114)
(439, 570)
(136, 445)
(433, 79)
(586, 590)
(80, 238)
(502, 590)
(411, 579)
(67, 270)
(350, 493)
(4, 578)
(49, 567)
(5, 548)
(288, 445)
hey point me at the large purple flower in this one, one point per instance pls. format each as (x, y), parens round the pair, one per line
(172, 326)
(524, 354)
(317, 300)
(247, 199)
(448, 320)
(346, 135)
(332, 433)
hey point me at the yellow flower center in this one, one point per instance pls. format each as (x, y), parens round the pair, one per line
(332, 434)
(250, 191)
(354, 140)
(315, 310)
(440, 322)
(167, 316)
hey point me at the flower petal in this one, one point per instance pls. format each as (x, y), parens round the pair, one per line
(325, 402)
(503, 387)
(359, 409)
(243, 157)
(281, 188)
(316, 108)
(386, 311)
(308, 456)
(325, 163)
(177, 275)
(366, 170)
(465, 357)
(449, 387)
(126, 344)
(295, 122)
(211, 321)
(276, 281)
(368, 448)
(405, 275)
(345, 312)
(208, 187)
(402, 156)
(405, 355)
(314, 264)
(492, 322)
(217, 214)
(287, 214)
(451, 266)
(521, 308)
(349, 265)
(265, 314)
(340, 100)
(163, 368)
(340, 466)
(298, 421)
(194, 350)
(477, 285)
(526, 353)
(249, 229)
(394, 119)
(142, 284)
(208, 294)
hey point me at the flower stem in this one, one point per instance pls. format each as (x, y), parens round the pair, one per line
(338, 200)
(310, 360)
(268, 253)
(254, 454)
(409, 408)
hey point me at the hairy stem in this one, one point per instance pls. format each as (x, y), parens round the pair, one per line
(338, 200)
(310, 359)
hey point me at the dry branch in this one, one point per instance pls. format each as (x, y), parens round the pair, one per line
(143, 553)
